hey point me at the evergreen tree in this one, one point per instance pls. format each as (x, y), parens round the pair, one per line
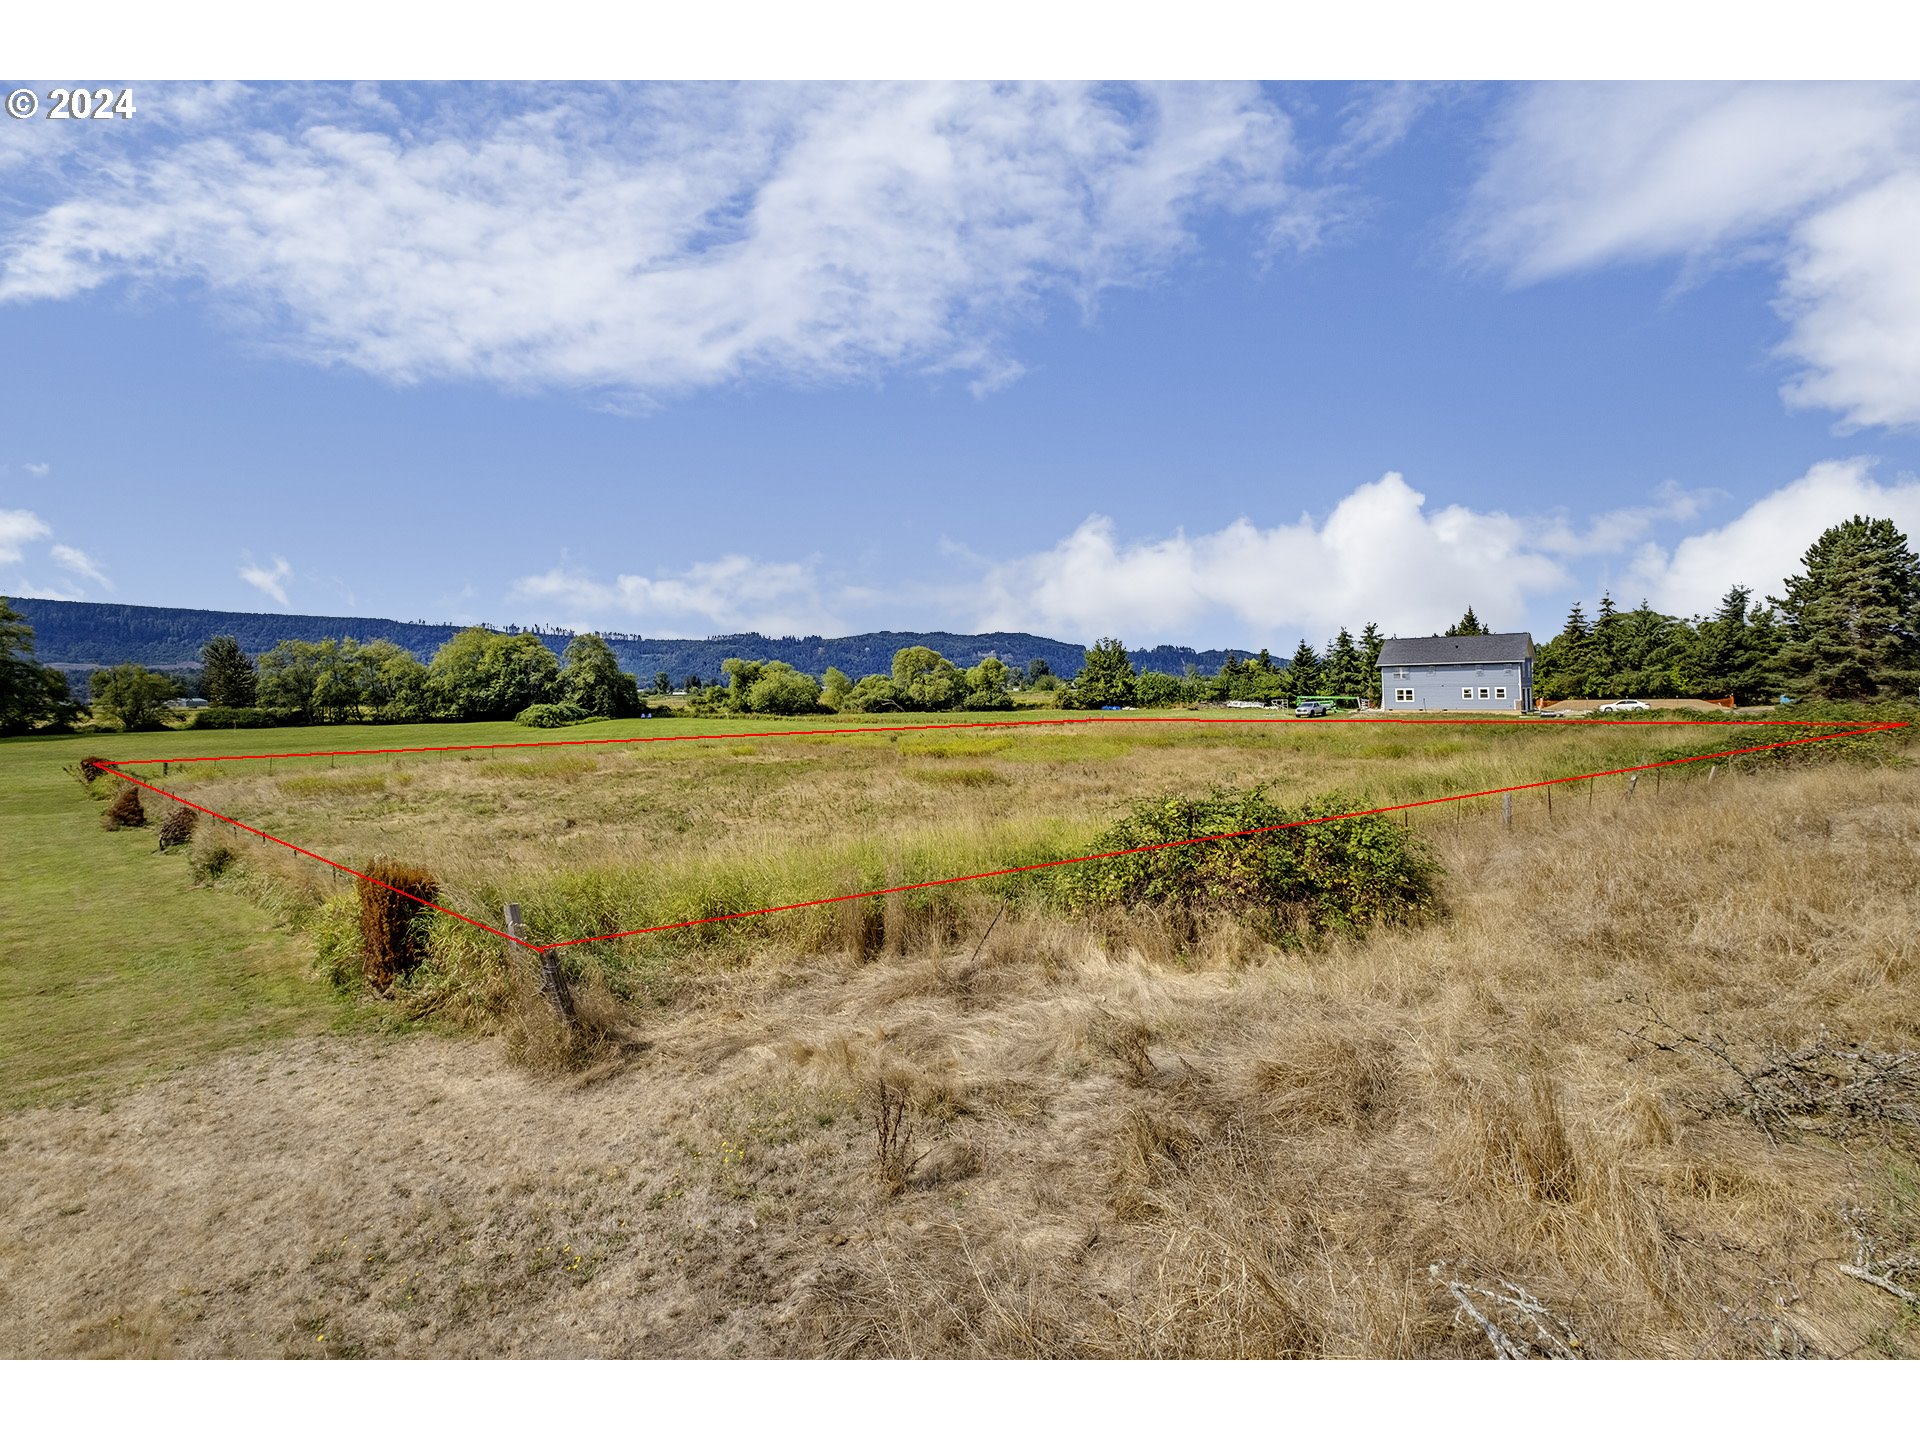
(1303, 672)
(1106, 677)
(31, 694)
(227, 675)
(1851, 622)
(1731, 653)
(1467, 624)
(1563, 666)
(662, 683)
(1370, 642)
(1652, 652)
(1346, 672)
(1603, 649)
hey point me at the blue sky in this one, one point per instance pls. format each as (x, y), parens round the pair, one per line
(1209, 364)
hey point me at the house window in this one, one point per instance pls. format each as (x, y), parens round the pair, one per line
(1466, 692)
(1404, 693)
(1499, 692)
(1483, 692)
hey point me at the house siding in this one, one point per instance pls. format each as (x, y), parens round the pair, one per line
(1438, 687)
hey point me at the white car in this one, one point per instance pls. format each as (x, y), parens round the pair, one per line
(1619, 705)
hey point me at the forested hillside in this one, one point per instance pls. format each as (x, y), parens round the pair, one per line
(73, 634)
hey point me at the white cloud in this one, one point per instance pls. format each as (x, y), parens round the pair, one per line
(67, 557)
(660, 239)
(1613, 530)
(39, 472)
(1764, 544)
(732, 594)
(1853, 294)
(1380, 555)
(1380, 116)
(269, 582)
(17, 529)
(1821, 179)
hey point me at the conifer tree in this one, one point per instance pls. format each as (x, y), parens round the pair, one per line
(1851, 622)
(227, 676)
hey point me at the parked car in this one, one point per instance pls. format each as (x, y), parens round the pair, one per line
(1309, 710)
(1619, 705)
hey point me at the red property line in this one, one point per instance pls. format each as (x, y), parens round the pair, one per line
(113, 768)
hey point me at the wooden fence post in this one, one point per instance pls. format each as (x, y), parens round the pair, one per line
(1633, 783)
(1506, 810)
(552, 982)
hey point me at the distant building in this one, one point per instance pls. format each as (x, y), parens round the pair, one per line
(1457, 672)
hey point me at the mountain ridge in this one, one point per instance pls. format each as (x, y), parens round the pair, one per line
(87, 634)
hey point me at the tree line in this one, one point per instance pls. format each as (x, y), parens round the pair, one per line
(1847, 628)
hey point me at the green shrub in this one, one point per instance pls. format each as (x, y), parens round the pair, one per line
(552, 717)
(232, 717)
(212, 855)
(1289, 884)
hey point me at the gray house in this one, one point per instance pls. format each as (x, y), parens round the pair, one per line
(1457, 672)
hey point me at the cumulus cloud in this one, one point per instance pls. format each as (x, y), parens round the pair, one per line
(271, 582)
(732, 594)
(38, 471)
(1764, 544)
(1379, 555)
(664, 238)
(1822, 180)
(70, 558)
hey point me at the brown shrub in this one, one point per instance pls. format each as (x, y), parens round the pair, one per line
(91, 768)
(390, 902)
(126, 812)
(177, 828)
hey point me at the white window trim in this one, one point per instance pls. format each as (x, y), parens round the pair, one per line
(1483, 693)
(1403, 695)
(1466, 692)
(1499, 692)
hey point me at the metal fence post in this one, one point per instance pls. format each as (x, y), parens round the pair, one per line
(552, 982)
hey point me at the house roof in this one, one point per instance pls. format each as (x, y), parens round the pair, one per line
(1456, 649)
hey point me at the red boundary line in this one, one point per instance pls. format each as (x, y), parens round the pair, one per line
(113, 768)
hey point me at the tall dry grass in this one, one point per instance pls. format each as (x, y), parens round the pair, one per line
(1297, 1159)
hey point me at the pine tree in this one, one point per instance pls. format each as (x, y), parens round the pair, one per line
(1852, 622)
(1370, 642)
(1346, 672)
(1732, 651)
(1467, 624)
(227, 676)
(1563, 666)
(1303, 672)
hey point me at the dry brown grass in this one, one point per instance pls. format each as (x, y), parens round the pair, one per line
(1121, 1146)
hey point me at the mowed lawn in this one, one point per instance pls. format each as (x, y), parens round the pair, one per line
(115, 967)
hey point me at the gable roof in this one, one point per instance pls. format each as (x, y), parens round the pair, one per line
(1456, 649)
